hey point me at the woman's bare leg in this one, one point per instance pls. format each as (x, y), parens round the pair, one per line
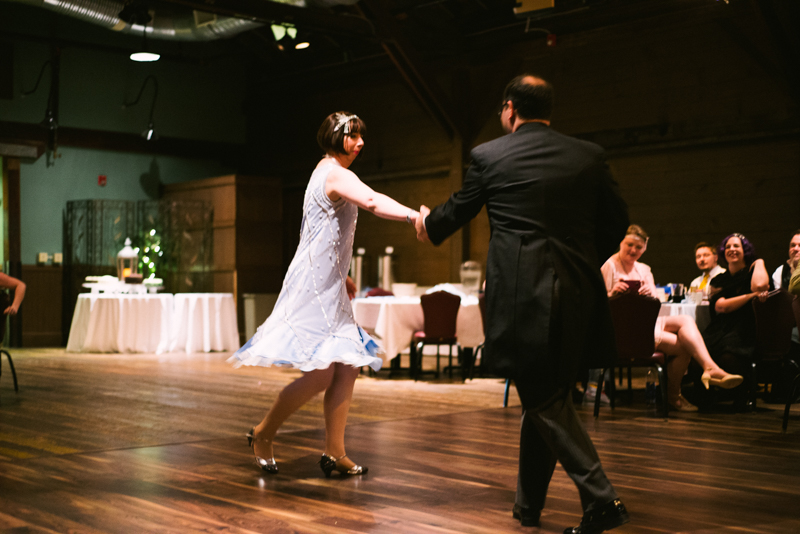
(292, 397)
(690, 339)
(676, 367)
(337, 406)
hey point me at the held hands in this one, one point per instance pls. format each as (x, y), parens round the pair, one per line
(422, 234)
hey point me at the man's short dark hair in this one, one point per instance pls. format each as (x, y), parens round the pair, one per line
(531, 100)
(703, 244)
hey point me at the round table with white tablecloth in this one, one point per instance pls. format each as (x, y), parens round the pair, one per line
(394, 320)
(204, 322)
(121, 323)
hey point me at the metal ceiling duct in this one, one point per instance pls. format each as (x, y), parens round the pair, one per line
(193, 26)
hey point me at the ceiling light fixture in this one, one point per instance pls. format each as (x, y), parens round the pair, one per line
(136, 14)
(149, 133)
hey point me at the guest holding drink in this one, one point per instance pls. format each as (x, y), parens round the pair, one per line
(705, 256)
(731, 335)
(677, 335)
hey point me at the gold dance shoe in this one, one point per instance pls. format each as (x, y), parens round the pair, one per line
(726, 382)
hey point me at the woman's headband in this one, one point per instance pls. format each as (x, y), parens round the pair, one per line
(344, 120)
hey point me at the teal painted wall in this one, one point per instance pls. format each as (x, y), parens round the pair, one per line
(44, 190)
(200, 98)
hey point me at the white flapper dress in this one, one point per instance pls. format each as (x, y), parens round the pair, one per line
(312, 324)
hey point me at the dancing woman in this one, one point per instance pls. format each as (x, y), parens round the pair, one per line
(675, 335)
(312, 326)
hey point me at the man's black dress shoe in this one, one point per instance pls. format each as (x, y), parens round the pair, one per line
(526, 516)
(610, 515)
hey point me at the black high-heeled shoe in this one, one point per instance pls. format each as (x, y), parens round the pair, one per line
(268, 465)
(328, 465)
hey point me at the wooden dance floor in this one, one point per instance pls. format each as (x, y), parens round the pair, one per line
(155, 443)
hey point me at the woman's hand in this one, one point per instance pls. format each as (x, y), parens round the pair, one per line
(12, 310)
(645, 290)
(619, 287)
(351, 288)
(761, 295)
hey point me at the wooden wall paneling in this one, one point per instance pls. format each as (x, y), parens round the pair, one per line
(41, 310)
(248, 235)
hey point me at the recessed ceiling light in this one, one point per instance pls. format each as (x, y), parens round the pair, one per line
(144, 57)
(304, 44)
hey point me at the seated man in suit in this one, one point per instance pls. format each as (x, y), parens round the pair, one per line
(705, 256)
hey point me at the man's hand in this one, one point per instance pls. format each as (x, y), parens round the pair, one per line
(351, 288)
(422, 233)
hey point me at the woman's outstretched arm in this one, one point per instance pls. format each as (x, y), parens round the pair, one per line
(342, 183)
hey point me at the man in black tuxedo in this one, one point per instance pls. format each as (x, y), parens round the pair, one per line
(555, 215)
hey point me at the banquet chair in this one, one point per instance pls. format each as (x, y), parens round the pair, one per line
(796, 380)
(379, 292)
(440, 310)
(634, 317)
(5, 302)
(774, 322)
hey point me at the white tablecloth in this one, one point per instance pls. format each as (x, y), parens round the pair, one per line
(204, 322)
(395, 319)
(700, 313)
(186, 322)
(121, 323)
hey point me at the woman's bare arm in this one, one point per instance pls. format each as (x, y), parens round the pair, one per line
(729, 305)
(342, 183)
(18, 286)
(760, 279)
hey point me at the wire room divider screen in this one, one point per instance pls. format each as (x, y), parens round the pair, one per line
(174, 241)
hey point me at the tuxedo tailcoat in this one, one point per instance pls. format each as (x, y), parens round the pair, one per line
(555, 215)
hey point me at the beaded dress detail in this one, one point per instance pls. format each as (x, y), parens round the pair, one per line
(312, 324)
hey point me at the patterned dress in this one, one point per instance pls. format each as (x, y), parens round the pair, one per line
(312, 324)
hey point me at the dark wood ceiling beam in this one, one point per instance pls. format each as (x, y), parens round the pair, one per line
(413, 70)
(273, 12)
(17, 133)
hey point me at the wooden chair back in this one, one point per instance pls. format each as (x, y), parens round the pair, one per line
(379, 292)
(634, 317)
(774, 322)
(441, 312)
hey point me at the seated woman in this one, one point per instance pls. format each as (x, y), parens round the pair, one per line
(731, 335)
(676, 335)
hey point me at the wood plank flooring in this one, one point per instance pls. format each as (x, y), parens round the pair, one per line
(155, 443)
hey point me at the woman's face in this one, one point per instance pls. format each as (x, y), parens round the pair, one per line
(734, 253)
(353, 143)
(632, 248)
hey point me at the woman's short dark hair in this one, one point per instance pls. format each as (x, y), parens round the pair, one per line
(331, 134)
(747, 247)
(531, 100)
